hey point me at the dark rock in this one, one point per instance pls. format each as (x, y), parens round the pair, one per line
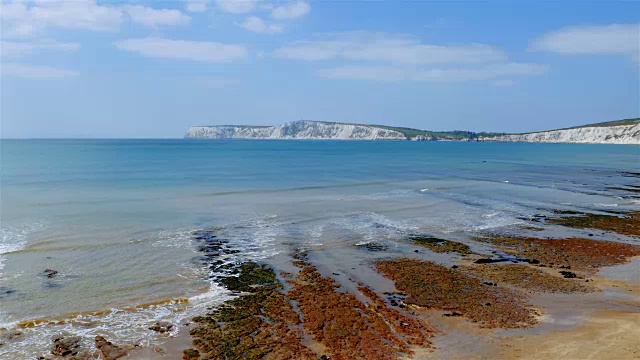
(590, 234)
(568, 274)
(489, 283)
(65, 345)
(324, 357)
(455, 313)
(336, 274)
(161, 327)
(109, 350)
(50, 273)
(372, 246)
(454, 266)
(489, 261)
(416, 251)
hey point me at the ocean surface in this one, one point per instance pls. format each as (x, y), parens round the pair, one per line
(114, 217)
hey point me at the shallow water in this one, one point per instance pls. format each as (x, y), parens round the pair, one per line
(114, 217)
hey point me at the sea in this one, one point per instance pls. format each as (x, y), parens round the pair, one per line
(114, 218)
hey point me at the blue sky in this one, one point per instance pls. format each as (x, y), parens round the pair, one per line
(83, 68)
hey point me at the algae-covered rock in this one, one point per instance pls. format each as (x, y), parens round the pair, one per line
(441, 245)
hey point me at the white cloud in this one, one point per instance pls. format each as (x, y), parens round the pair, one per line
(623, 39)
(28, 19)
(201, 51)
(256, 24)
(156, 17)
(400, 73)
(382, 47)
(292, 10)
(13, 49)
(35, 72)
(19, 19)
(196, 5)
(238, 6)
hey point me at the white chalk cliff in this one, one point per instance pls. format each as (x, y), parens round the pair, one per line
(623, 134)
(613, 132)
(295, 130)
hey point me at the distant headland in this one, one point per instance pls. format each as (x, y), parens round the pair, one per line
(612, 132)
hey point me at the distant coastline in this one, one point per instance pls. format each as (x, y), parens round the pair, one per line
(612, 132)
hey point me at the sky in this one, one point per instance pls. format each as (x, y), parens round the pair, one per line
(116, 69)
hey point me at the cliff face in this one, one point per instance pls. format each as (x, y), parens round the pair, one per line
(625, 134)
(613, 132)
(295, 130)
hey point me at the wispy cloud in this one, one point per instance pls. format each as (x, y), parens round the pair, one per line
(35, 72)
(399, 73)
(15, 49)
(196, 6)
(21, 19)
(290, 11)
(257, 25)
(29, 19)
(623, 39)
(383, 47)
(200, 51)
(398, 57)
(238, 6)
(156, 17)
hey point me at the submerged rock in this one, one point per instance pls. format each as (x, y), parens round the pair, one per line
(162, 327)
(65, 345)
(50, 273)
(372, 246)
(7, 335)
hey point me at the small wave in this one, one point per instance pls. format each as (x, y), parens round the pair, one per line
(300, 188)
(125, 326)
(13, 239)
(606, 205)
(177, 238)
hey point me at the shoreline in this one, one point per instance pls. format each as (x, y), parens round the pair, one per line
(579, 302)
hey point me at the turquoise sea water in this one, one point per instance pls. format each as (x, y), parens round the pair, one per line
(114, 217)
